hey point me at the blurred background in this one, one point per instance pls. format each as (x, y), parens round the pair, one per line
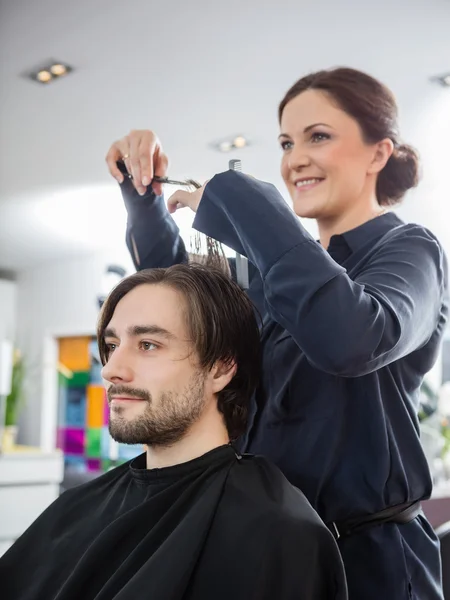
(203, 75)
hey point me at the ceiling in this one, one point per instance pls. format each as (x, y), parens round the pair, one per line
(195, 72)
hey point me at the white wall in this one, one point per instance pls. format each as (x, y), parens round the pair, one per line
(427, 127)
(57, 299)
(8, 299)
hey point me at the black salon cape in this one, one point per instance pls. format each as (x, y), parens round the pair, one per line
(218, 527)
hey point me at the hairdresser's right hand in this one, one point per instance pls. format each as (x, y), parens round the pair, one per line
(142, 153)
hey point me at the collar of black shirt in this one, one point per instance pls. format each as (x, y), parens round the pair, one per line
(343, 245)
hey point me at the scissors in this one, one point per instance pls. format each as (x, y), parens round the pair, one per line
(157, 179)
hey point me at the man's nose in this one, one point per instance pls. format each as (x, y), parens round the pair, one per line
(118, 368)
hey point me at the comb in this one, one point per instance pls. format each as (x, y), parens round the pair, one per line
(241, 261)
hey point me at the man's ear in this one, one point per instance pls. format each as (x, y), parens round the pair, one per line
(221, 375)
(383, 152)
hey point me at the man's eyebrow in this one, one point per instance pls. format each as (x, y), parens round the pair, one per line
(151, 330)
(136, 330)
(109, 333)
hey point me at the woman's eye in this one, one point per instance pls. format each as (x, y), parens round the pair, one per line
(319, 137)
(286, 145)
(148, 346)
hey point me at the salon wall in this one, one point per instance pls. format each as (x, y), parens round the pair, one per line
(8, 307)
(426, 125)
(57, 299)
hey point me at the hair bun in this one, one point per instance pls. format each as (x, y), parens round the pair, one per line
(400, 174)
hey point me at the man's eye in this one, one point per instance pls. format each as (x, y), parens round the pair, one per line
(147, 346)
(109, 350)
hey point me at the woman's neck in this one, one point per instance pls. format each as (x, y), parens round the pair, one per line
(348, 221)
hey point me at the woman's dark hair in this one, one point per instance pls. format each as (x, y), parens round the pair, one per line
(374, 107)
(221, 321)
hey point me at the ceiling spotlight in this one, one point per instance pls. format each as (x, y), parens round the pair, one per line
(240, 141)
(49, 71)
(233, 143)
(442, 79)
(44, 76)
(58, 70)
(225, 146)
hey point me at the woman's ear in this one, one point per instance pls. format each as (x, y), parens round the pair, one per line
(383, 152)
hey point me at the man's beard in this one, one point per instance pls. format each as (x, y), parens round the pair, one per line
(163, 424)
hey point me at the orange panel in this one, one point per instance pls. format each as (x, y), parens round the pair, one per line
(95, 405)
(74, 353)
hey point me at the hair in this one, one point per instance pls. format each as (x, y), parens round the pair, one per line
(215, 254)
(222, 324)
(373, 106)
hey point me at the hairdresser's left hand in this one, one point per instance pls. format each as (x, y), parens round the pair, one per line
(181, 198)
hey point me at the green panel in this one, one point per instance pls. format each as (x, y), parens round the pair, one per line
(93, 442)
(80, 379)
(63, 381)
(106, 464)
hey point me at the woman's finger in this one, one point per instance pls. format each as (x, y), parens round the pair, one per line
(161, 164)
(148, 149)
(135, 160)
(179, 199)
(112, 157)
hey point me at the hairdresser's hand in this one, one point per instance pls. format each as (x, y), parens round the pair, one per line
(142, 153)
(180, 199)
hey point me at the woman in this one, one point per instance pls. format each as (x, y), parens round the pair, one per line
(350, 325)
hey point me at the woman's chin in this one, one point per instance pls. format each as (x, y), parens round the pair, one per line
(306, 212)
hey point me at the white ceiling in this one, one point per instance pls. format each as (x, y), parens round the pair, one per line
(195, 72)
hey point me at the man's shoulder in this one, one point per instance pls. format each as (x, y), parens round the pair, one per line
(262, 509)
(264, 490)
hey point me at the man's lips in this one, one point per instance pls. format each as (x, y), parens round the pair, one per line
(126, 399)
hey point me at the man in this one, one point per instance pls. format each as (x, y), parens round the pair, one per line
(189, 518)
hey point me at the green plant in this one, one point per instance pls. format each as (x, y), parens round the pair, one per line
(429, 400)
(445, 430)
(15, 399)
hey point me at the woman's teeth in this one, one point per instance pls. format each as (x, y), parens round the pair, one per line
(307, 182)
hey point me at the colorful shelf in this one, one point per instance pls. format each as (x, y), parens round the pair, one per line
(83, 412)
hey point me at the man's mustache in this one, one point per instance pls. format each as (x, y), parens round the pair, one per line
(129, 392)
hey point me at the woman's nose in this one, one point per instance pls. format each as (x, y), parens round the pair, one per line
(298, 158)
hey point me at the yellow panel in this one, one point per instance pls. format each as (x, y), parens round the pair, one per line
(95, 405)
(74, 353)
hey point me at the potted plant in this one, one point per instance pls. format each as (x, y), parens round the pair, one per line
(14, 402)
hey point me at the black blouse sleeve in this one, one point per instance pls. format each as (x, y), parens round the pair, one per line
(344, 327)
(152, 237)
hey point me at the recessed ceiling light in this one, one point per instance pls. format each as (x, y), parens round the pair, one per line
(225, 146)
(44, 76)
(49, 71)
(58, 70)
(240, 141)
(232, 143)
(442, 79)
